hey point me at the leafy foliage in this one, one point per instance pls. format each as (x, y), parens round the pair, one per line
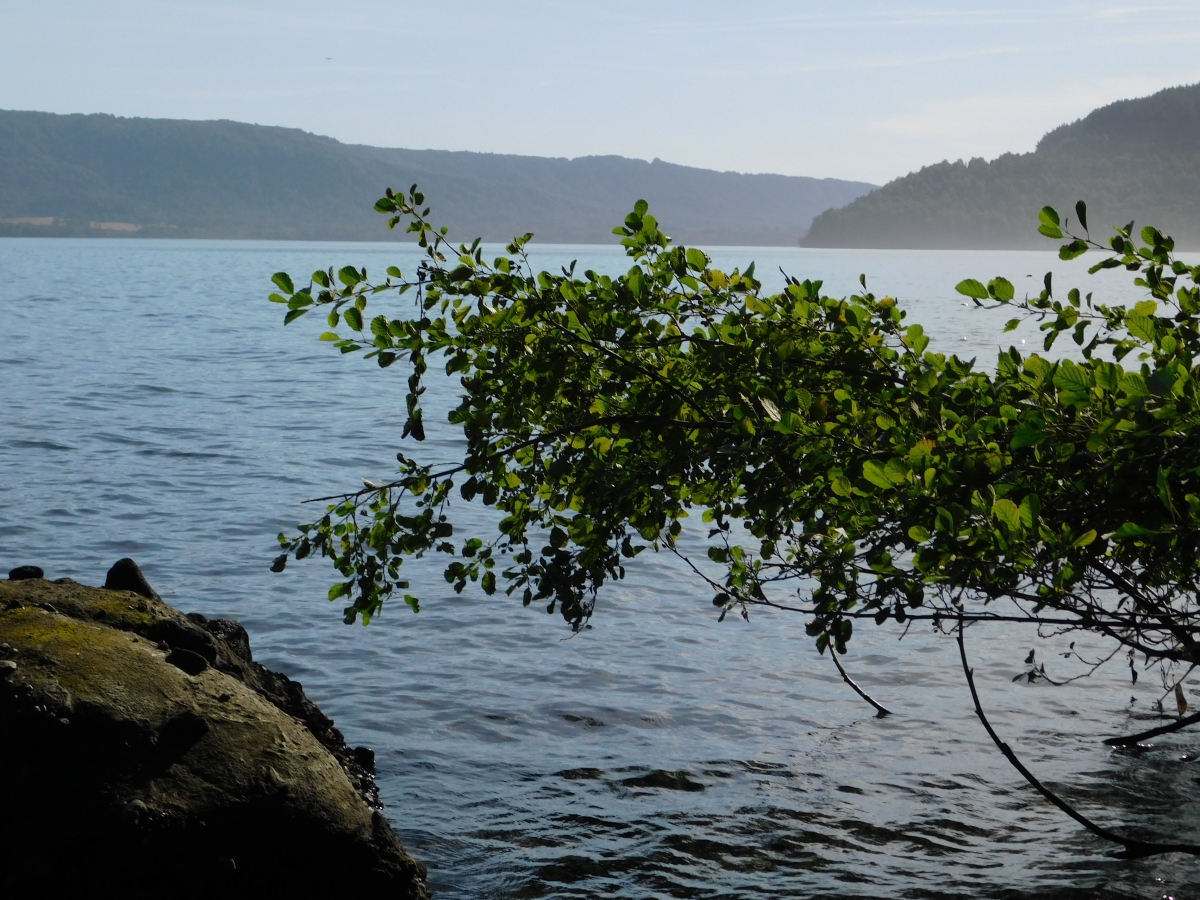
(840, 466)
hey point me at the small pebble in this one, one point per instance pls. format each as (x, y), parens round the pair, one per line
(7, 667)
(48, 607)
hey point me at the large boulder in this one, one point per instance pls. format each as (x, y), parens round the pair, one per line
(144, 752)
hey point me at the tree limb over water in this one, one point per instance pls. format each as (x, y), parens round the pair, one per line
(1134, 849)
(839, 465)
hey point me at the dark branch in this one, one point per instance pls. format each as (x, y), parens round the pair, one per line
(1134, 849)
(1133, 739)
(541, 438)
(882, 710)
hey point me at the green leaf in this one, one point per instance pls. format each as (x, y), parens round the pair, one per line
(969, 287)
(1141, 326)
(876, 474)
(1131, 530)
(1049, 223)
(915, 338)
(348, 276)
(1030, 510)
(1028, 434)
(1133, 384)
(840, 484)
(1084, 539)
(284, 282)
(918, 534)
(696, 259)
(1070, 377)
(1006, 511)
(1002, 289)
(353, 318)
(1072, 250)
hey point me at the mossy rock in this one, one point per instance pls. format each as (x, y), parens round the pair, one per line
(141, 752)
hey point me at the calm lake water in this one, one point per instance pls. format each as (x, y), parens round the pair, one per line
(155, 407)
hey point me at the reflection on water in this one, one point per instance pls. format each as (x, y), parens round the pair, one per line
(154, 407)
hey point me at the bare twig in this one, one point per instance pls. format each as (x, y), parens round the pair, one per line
(882, 710)
(1134, 849)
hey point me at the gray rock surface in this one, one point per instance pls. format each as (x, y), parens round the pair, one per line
(187, 771)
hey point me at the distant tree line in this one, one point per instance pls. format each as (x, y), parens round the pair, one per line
(1136, 159)
(224, 179)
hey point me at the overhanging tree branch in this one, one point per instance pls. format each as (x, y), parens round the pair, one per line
(1134, 848)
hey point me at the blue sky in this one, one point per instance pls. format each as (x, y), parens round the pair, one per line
(865, 91)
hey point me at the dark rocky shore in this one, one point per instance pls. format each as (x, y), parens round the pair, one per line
(144, 752)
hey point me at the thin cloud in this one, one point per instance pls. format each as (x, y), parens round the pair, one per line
(896, 62)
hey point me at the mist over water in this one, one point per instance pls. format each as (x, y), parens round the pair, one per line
(155, 407)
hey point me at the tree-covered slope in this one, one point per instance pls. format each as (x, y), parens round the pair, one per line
(233, 180)
(1132, 159)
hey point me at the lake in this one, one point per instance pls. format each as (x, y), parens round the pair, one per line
(155, 407)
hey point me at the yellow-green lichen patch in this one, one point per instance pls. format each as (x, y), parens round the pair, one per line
(117, 609)
(92, 663)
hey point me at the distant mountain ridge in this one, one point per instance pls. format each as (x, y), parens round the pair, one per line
(1134, 159)
(101, 175)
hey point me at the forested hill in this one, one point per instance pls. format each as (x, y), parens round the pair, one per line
(102, 175)
(1136, 159)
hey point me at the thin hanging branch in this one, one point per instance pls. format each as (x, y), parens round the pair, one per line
(1134, 849)
(881, 709)
(1153, 732)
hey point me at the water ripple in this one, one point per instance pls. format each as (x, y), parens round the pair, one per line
(658, 754)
